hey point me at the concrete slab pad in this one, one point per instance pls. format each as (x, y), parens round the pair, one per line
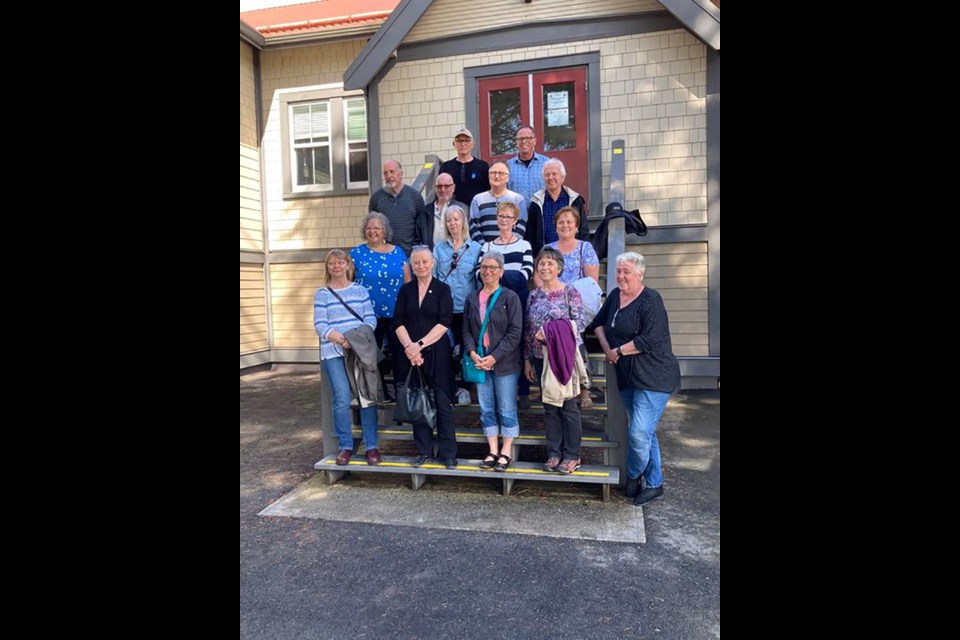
(549, 511)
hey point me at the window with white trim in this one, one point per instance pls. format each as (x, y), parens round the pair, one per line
(355, 124)
(311, 146)
(324, 138)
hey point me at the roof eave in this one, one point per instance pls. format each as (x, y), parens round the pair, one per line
(251, 35)
(325, 36)
(701, 17)
(384, 42)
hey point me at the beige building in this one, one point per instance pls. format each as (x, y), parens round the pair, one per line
(304, 166)
(584, 74)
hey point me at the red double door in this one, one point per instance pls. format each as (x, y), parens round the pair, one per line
(554, 102)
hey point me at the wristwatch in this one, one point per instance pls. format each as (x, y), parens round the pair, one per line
(620, 351)
(420, 343)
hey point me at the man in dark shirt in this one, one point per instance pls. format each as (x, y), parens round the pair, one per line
(470, 175)
(400, 203)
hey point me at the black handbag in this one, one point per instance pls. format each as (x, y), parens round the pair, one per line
(416, 405)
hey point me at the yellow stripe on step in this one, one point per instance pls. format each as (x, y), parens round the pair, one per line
(492, 474)
(403, 432)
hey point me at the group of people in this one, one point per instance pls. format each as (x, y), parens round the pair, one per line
(432, 282)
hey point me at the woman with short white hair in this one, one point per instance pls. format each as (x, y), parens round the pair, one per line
(422, 316)
(634, 331)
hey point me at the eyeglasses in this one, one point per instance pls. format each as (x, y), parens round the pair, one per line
(525, 139)
(463, 140)
(498, 173)
(486, 267)
(419, 247)
(505, 217)
(443, 186)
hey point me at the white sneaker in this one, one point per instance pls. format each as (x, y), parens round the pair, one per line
(463, 396)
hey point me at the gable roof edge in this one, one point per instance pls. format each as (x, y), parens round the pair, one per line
(701, 17)
(384, 42)
(251, 35)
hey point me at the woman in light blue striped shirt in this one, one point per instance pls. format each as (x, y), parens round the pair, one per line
(331, 319)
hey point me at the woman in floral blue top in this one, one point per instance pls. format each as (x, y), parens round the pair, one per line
(382, 268)
(579, 257)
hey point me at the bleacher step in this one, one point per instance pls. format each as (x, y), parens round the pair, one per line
(588, 474)
(473, 435)
(598, 407)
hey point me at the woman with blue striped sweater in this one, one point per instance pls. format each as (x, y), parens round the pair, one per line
(336, 308)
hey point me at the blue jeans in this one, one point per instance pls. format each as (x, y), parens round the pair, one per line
(499, 395)
(336, 374)
(644, 409)
(515, 281)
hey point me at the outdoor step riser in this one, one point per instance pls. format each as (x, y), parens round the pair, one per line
(588, 474)
(535, 409)
(393, 433)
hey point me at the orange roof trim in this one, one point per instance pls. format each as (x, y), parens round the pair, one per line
(326, 15)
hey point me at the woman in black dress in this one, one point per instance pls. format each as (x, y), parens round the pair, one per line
(423, 314)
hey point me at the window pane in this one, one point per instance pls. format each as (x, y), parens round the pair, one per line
(311, 123)
(356, 120)
(504, 120)
(559, 126)
(313, 166)
(357, 163)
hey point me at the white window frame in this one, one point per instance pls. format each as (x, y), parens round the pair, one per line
(294, 147)
(339, 146)
(355, 184)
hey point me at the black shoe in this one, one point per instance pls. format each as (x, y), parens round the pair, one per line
(421, 460)
(648, 495)
(632, 488)
(451, 463)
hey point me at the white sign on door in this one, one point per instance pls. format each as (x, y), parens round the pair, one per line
(558, 118)
(556, 100)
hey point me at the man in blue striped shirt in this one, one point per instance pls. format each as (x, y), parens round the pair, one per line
(483, 209)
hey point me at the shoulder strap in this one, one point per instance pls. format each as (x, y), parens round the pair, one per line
(581, 257)
(456, 257)
(355, 314)
(486, 316)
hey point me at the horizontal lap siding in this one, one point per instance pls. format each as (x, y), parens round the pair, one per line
(251, 221)
(292, 287)
(445, 18)
(253, 310)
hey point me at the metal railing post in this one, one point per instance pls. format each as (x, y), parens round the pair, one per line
(427, 177)
(616, 423)
(330, 443)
